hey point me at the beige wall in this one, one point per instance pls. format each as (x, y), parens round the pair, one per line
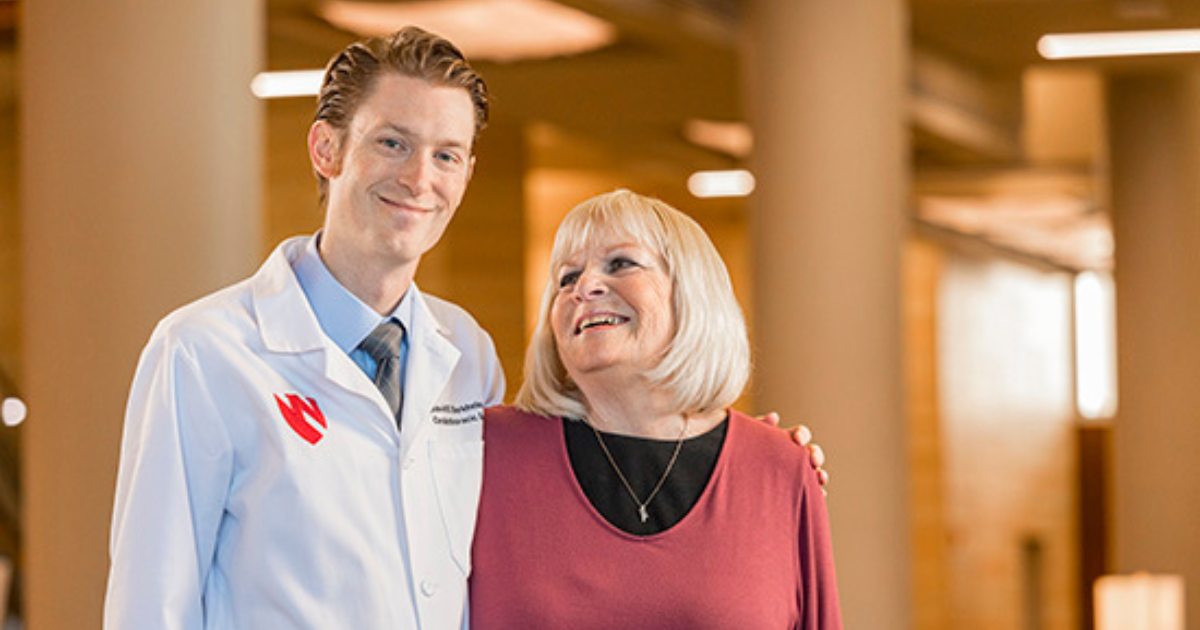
(992, 441)
(923, 262)
(1006, 398)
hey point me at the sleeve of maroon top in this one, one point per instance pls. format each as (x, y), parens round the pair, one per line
(819, 609)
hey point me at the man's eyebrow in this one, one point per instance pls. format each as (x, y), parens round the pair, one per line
(401, 129)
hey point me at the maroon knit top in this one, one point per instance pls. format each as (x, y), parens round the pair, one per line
(754, 552)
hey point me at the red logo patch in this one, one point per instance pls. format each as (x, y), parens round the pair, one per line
(294, 411)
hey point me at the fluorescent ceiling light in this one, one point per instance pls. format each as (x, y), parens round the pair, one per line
(708, 184)
(282, 84)
(1119, 44)
(496, 30)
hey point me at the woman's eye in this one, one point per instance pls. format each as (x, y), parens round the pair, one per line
(568, 279)
(621, 262)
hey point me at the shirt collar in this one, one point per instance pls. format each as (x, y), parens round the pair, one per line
(345, 319)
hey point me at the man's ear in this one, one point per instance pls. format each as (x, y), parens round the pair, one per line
(323, 149)
(470, 168)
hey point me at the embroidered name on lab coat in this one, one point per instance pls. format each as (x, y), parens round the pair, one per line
(458, 414)
(301, 414)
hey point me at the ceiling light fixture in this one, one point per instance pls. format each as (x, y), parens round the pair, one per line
(493, 30)
(1119, 44)
(284, 84)
(710, 184)
(533, 29)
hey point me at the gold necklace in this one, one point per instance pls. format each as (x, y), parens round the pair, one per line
(642, 513)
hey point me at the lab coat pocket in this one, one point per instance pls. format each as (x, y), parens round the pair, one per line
(457, 479)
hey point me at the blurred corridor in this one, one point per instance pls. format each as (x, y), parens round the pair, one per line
(943, 229)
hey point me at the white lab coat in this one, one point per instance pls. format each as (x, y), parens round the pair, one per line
(264, 485)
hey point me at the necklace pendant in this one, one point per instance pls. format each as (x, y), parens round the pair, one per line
(642, 513)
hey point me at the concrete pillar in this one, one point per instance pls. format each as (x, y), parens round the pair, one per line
(140, 157)
(1155, 162)
(827, 101)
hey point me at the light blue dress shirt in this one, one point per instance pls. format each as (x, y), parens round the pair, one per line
(346, 319)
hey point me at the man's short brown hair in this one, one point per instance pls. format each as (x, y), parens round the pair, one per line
(411, 51)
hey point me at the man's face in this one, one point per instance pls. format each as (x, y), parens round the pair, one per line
(397, 174)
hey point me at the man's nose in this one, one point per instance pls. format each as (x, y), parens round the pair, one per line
(416, 174)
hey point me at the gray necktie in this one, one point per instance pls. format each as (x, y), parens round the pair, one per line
(383, 345)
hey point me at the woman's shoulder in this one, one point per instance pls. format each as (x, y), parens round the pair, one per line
(767, 445)
(509, 413)
(767, 459)
(514, 438)
(509, 419)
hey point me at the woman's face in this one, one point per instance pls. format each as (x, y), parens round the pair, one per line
(613, 310)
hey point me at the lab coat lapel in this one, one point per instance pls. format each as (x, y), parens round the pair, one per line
(289, 325)
(431, 362)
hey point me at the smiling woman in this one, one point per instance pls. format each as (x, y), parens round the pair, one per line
(637, 244)
(622, 452)
(612, 309)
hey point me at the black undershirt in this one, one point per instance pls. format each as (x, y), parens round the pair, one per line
(642, 461)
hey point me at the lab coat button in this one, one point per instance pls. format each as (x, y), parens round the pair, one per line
(408, 463)
(428, 588)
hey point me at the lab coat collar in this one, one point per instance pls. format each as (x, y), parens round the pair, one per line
(288, 325)
(287, 322)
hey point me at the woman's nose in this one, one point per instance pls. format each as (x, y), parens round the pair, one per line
(590, 284)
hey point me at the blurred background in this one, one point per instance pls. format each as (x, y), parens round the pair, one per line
(969, 266)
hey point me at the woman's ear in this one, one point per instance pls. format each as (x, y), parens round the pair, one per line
(323, 149)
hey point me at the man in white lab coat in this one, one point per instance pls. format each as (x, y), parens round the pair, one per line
(264, 482)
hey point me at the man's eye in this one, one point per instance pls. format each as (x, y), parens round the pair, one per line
(568, 279)
(449, 157)
(391, 143)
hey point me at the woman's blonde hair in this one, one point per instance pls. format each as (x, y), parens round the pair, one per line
(707, 362)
